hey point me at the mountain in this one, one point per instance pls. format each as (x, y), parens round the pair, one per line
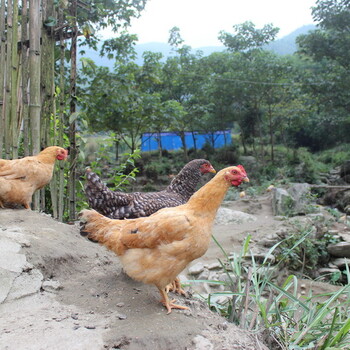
(283, 46)
(287, 44)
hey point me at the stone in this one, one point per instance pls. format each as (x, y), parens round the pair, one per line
(196, 269)
(227, 216)
(339, 250)
(214, 266)
(300, 192)
(26, 284)
(15, 234)
(51, 286)
(282, 202)
(13, 261)
(326, 271)
(202, 343)
(340, 262)
(204, 275)
(7, 278)
(7, 245)
(213, 276)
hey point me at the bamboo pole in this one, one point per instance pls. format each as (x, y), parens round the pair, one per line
(48, 131)
(34, 77)
(60, 203)
(25, 76)
(2, 73)
(14, 81)
(8, 86)
(72, 125)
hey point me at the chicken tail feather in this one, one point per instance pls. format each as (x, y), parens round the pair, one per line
(98, 228)
(100, 197)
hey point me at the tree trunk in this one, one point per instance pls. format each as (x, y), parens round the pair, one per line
(183, 140)
(194, 141)
(72, 126)
(271, 135)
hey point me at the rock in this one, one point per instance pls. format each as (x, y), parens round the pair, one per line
(270, 271)
(282, 202)
(202, 343)
(15, 234)
(325, 271)
(228, 278)
(196, 269)
(6, 278)
(51, 286)
(26, 284)
(7, 245)
(227, 216)
(340, 262)
(12, 261)
(214, 266)
(204, 275)
(300, 192)
(340, 250)
(294, 201)
(213, 276)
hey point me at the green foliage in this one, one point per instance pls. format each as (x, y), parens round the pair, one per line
(306, 256)
(255, 302)
(303, 167)
(247, 37)
(156, 168)
(335, 156)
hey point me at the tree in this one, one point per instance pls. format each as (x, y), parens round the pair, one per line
(247, 37)
(123, 101)
(328, 80)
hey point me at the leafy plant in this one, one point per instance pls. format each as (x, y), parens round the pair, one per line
(290, 321)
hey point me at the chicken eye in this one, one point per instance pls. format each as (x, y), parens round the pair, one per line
(234, 171)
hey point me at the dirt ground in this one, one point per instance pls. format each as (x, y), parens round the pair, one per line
(72, 294)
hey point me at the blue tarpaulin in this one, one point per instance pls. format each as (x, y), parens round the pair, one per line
(171, 141)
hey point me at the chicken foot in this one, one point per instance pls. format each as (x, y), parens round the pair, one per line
(175, 287)
(170, 304)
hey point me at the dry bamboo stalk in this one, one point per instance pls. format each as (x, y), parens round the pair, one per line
(7, 93)
(34, 76)
(25, 76)
(2, 73)
(14, 81)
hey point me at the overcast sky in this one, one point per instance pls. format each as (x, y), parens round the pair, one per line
(200, 21)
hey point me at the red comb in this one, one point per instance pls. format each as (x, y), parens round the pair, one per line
(242, 168)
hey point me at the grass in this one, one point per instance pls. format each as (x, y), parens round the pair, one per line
(290, 321)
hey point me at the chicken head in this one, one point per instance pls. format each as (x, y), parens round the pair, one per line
(236, 175)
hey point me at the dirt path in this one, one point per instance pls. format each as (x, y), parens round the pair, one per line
(60, 291)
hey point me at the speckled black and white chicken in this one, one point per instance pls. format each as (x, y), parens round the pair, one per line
(120, 205)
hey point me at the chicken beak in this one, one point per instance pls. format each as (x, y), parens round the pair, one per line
(212, 170)
(245, 179)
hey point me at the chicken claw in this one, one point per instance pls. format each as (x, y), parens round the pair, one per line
(175, 287)
(170, 304)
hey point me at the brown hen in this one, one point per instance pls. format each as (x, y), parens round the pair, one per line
(157, 248)
(20, 178)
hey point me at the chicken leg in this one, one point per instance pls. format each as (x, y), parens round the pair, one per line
(169, 304)
(175, 287)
